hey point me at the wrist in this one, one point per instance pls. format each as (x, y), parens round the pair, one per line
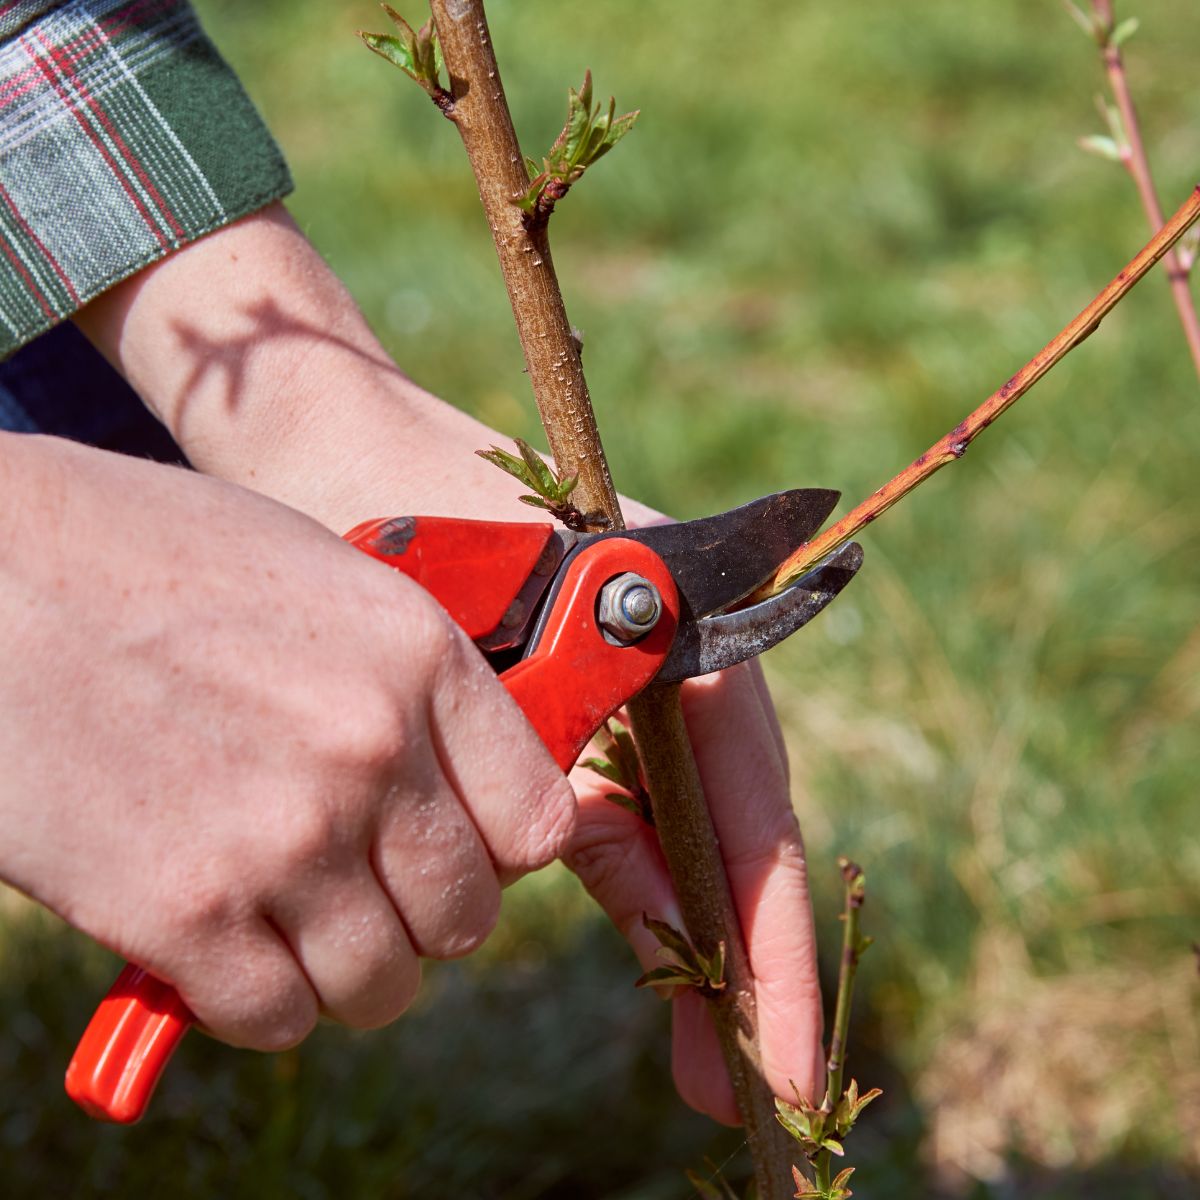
(229, 340)
(32, 495)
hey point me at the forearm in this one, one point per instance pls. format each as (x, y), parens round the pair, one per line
(31, 508)
(256, 358)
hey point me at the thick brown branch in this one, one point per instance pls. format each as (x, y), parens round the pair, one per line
(481, 113)
(1138, 166)
(952, 447)
(551, 353)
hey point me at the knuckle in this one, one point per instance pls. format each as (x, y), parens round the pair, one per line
(199, 906)
(287, 1029)
(777, 844)
(387, 995)
(371, 740)
(551, 823)
(432, 636)
(358, 734)
(262, 1005)
(306, 841)
(473, 931)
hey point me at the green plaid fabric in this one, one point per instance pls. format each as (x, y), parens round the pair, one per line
(123, 136)
(16, 14)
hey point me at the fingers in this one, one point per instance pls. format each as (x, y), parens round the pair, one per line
(618, 859)
(515, 794)
(739, 752)
(746, 785)
(697, 1063)
(434, 865)
(261, 1000)
(462, 813)
(350, 943)
(767, 707)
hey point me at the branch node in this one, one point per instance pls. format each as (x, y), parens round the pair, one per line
(537, 218)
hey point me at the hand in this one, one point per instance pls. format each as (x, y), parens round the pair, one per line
(254, 355)
(242, 754)
(743, 765)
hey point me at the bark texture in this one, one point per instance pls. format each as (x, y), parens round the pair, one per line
(480, 111)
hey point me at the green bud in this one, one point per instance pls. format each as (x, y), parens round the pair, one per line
(1101, 146)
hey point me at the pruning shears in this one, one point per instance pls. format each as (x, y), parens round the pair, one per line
(582, 622)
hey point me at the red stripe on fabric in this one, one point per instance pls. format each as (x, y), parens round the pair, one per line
(64, 64)
(98, 142)
(30, 282)
(115, 25)
(139, 13)
(37, 241)
(131, 14)
(87, 44)
(9, 89)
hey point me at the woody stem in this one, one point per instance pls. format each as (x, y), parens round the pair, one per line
(952, 447)
(1138, 165)
(480, 111)
(855, 893)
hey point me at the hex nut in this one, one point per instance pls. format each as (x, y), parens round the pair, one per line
(629, 607)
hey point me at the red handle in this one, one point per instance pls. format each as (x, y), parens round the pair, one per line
(575, 679)
(567, 688)
(125, 1047)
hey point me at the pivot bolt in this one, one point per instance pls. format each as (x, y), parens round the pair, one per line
(629, 607)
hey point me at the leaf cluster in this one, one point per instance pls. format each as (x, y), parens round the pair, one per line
(547, 489)
(416, 52)
(1103, 30)
(820, 1129)
(684, 965)
(588, 135)
(807, 1189)
(621, 765)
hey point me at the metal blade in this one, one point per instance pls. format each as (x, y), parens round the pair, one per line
(714, 643)
(717, 561)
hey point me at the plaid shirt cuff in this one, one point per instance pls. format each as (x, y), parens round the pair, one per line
(123, 136)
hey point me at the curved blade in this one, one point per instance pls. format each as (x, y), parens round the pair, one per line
(716, 561)
(714, 643)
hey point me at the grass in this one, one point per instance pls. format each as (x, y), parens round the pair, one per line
(832, 232)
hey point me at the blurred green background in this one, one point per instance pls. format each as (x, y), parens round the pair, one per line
(835, 229)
